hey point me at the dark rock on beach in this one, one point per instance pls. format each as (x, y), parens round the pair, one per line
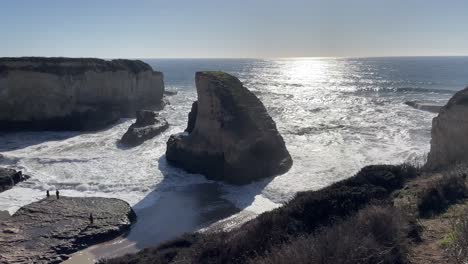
(148, 125)
(449, 142)
(9, 177)
(49, 230)
(230, 136)
(74, 93)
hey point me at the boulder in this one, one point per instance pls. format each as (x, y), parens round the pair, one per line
(148, 125)
(74, 93)
(229, 136)
(449, 143)
(49, 230)
(9, 177)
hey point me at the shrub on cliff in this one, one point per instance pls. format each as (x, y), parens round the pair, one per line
(441, 193)
(377, 234)
(457, 241)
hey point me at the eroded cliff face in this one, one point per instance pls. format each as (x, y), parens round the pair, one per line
(230, 135)
(449, 143)
(66, 93)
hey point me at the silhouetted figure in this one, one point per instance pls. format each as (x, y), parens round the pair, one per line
(57, 193)
(91, 218)
(48, 194)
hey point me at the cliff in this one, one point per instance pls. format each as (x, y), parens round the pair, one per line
(449, 144)
(230, 135)
(74, 93)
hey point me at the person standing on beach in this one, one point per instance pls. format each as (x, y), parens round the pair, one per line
(47, 193)
(57, 193)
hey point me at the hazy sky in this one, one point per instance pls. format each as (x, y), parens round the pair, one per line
(232, 28)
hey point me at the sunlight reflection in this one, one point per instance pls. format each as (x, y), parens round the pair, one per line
(307, 69)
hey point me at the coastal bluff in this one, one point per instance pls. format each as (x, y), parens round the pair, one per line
(38, 93)
(449, 144)
(230, 135)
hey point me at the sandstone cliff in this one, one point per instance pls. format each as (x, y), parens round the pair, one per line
(230, 135)
(72, 93)
(449, 143)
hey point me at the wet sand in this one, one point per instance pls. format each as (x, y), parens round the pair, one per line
(176, 212)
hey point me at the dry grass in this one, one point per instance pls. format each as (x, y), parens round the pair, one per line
(441, 193)
(456, 242)
(375, 235)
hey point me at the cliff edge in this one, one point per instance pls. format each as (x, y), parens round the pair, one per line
(449, 132)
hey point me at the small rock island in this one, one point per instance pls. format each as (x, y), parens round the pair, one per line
(230, 135)
(148, 124)
(38, 93)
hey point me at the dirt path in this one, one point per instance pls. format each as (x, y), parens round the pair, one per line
(429, 250)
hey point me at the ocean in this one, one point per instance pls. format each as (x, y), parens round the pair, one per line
(335, 114)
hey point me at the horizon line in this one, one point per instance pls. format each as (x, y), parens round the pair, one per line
(243, 58)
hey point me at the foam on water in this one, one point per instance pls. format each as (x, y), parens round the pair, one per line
(335, 115)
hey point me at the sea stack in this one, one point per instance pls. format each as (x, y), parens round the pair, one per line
(148, 124)
(74, 93)
(449, 143)
(230, 135)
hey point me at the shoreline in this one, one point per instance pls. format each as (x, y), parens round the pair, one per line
(197, 207)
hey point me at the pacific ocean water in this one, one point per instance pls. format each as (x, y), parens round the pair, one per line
(335, 114)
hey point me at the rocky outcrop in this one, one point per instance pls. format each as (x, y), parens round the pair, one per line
(449, 143)
(49, 230)
(148, 125)
(230, 135)
(74, 94)
(170, 93)
(433, 108)
(9, 177)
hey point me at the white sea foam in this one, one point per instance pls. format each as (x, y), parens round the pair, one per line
(334, 119)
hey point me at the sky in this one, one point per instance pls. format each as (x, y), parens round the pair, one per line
(233, 28)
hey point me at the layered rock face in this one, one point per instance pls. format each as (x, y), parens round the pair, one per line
(449, 143)
(148, 125)
(230, 135)
(49, 230)
(74, 94)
